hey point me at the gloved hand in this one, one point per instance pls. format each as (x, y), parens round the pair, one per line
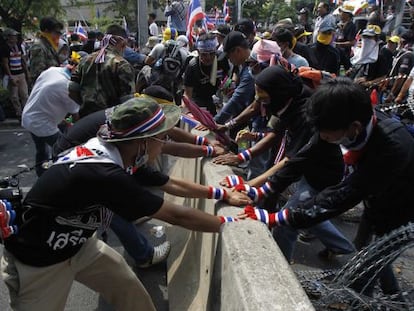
(252, 192)
(232, 180)
(7, 217)
(270, 219)
(256, 194)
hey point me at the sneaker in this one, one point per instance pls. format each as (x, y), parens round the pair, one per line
(305, 237)
(161, 253)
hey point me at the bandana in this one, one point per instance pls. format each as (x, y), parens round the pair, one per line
(53, 42)
(107, 41)
(353, 153)
(367, 53)
(152, 122)
(207, 45)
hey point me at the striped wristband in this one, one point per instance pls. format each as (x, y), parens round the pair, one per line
(234, 180)
(224, 219)
(208, 151)
(245, 155)
(200, 140)
(265, 190)
(259, 135)
(216, 193)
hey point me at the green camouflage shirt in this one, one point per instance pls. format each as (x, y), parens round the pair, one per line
(102, 85)
(42, 56)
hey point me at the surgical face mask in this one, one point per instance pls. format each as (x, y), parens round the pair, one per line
(345, 141)
(141, 160)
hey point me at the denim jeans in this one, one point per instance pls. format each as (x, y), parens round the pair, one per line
(43, 147)
(134, 242)
(325, 231)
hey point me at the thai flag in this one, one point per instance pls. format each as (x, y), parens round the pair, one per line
(208, 24)
(226, 10)
(125, 25)
(194, 13)
(81, 32)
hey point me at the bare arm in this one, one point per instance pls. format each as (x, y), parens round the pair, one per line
(404, 90)
(189, 218)
(183, 188)
(261, 179)
(188, 91)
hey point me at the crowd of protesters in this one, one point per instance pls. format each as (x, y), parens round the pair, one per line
(301, 102)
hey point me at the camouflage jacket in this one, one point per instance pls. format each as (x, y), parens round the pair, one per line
(102, 85)
(42, 56)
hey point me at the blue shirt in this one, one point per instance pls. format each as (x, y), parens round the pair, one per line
(241, 98)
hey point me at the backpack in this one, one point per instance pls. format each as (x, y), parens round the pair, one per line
(171, 64)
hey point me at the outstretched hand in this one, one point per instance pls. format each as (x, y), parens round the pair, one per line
(227, 159)
(236, 198)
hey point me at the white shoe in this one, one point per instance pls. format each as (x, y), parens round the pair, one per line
(161, 253)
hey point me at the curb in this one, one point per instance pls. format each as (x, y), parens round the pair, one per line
(10, 123)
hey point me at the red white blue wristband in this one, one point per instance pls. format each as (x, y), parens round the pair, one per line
(245, 155)
(234, 180)
(216, 193)
(266, 189)
(224, 219)
(200, 140)
(281, 218)
(259, 135)
(209, 151)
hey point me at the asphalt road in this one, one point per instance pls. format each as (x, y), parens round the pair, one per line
(17, 154)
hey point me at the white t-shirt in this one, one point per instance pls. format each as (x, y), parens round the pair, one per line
(153, 29)
(48, 103)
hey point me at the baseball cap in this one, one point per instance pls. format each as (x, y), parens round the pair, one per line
(304, 11)
(139, 117)
(234, 39)
(369, 33)
(221, 30)
(300, 32)
(245, 26)
(394, 39)
(9, 32)
(376, 28)
(326, 26)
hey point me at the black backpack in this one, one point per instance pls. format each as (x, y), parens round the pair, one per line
(171, 63)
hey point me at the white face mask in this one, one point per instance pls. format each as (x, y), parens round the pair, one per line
(141, 160)
(367, 53)
(345, 141)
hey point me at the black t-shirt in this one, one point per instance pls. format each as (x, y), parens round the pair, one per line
(405, 62)
(66, 206)
(327, 57)
(197, 76)
(347, 33)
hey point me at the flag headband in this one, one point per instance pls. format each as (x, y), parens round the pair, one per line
(151, 123)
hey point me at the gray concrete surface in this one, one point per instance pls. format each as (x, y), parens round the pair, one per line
(191, 262)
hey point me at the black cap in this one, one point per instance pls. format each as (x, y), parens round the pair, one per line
(245, 26)
(304, 11)
(234, 39)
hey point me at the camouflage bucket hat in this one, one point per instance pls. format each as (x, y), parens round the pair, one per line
(138, 118)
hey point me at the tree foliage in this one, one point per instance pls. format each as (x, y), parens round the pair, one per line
(19, 14)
